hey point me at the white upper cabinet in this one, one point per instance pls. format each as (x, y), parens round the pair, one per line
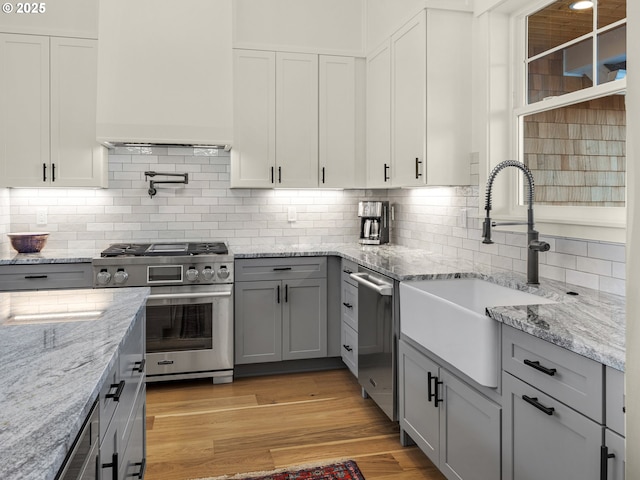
(341, 117)
(253, 157)
(429, 64)
(47, 113)
(165, 72)
(296, 120)
(61, 18)
(408, 101)
(76, 156)
(378, 141)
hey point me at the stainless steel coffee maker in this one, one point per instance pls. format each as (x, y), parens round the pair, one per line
(374, 222)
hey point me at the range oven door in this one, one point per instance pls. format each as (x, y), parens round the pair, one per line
(189, 333)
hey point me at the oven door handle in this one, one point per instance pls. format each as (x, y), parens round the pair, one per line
(382, 287)
(168, 296)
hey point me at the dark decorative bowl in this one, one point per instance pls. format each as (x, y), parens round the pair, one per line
(28, 242)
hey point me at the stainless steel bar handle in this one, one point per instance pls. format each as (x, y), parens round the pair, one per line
(167, 296)
(383, 288)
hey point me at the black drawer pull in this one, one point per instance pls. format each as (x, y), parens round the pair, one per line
(139, 366)
(143, 467)
(118, 393)
(435, 393)
(281, 269)
(165, 362)
(347, 348)
(536, 364)
(113, 466)
(348, 272)
(35, 277)
(534, 401)
(348, 305)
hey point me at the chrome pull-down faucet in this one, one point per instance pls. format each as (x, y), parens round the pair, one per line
(533, 243)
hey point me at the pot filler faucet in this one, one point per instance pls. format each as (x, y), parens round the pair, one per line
(534, 245)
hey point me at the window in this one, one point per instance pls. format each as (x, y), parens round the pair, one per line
(570, 110)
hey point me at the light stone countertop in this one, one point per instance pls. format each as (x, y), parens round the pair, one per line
(55, 360)
(8, 256)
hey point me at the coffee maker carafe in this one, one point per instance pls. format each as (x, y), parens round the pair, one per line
(374, 222)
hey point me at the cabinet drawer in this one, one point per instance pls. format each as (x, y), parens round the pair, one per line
(349, 267)
(45, 277)
(349, 348)
(249, 270)
(350, 305)
(575, 380)
(544, 439)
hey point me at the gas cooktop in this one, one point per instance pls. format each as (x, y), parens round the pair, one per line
(169, 249)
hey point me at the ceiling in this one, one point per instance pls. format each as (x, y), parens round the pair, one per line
(557, 23)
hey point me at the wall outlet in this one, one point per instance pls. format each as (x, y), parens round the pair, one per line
(41, 216)
(292, 216)
(462, 219)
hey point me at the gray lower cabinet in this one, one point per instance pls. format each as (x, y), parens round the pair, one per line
(283, 314)
(544, 438)
(122, 403)
(451, 422)
(45, 276)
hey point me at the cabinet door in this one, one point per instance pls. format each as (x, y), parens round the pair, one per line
(338, 148)
(254, 102)
(559, 443)
(408, 101)
(296, 120)
(616, 463)
(24, 110)
(379, 117)
(304, 319)
(77, 160)
(134, 455)
(258, 321)
(419, 416)
(469, 432)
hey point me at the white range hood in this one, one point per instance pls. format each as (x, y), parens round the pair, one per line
(165, 72)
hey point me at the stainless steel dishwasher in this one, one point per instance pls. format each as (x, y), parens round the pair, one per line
(377, 339)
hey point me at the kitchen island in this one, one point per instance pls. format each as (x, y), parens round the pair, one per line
(57, 349)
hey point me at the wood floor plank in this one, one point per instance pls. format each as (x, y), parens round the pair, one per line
(196, 429)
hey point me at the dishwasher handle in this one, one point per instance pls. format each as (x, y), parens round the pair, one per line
(369, 281)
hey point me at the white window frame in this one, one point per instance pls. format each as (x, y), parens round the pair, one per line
(596, 223)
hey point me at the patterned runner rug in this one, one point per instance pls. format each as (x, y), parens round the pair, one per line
(346, 470)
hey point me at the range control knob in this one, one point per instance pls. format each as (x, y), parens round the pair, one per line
(103, 277)
(120, 276)
(207, 273)
(223, 272)
(192, 274)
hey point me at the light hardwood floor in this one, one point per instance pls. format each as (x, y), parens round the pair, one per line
(196, 429)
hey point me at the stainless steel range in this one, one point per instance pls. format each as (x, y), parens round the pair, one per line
(189, 327)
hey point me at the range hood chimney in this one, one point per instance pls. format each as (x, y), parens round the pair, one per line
(169, 83)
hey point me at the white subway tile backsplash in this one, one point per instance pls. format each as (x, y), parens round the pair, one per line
(207, 208)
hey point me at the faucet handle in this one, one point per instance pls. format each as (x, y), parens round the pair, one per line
(539, 246)
(486, 231)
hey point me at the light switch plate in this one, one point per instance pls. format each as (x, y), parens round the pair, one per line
(41, 216)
